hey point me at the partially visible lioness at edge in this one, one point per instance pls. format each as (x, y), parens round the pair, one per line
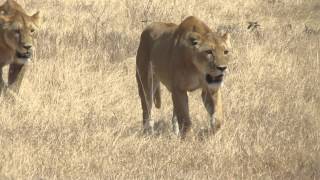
(16, 41)
(184, 58)
(10, 7)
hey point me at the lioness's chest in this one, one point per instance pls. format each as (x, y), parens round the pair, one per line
(192, 84)
(6, 58)
(187, 81)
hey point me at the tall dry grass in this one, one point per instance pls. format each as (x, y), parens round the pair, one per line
(78, 113)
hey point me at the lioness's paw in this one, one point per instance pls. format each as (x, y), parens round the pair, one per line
(148, 131)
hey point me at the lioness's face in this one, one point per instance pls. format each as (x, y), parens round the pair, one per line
(212, 54)
(18, 34)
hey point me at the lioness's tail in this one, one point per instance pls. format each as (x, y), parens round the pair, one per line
(157, 95)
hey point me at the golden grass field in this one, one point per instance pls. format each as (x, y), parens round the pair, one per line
(78, 113)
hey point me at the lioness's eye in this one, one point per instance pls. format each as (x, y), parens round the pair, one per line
(32, 30)
(225, 52)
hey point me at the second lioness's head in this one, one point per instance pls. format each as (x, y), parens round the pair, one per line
(17, 33)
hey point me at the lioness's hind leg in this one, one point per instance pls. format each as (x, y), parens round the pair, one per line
(212, 103)
(157, 92)
(145, 92)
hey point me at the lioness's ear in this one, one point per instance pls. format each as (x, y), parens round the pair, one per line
(36, 18)
(194, 41)
(226, 37)
(194, 38)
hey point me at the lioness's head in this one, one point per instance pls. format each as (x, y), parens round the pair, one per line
(11, 7)
(17, 31)
(211, 54)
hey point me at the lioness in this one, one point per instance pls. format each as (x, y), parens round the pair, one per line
(184, 58)
(16, 40)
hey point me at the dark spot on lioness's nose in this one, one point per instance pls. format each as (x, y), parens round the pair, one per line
(27, 46)
(222, 68)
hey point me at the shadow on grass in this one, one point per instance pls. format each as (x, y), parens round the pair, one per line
(163, 129)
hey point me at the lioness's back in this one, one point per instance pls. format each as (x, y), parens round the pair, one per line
(158, 29)
(155, 32)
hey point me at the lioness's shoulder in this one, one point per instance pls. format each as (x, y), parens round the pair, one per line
(160, 26)
(158, 29)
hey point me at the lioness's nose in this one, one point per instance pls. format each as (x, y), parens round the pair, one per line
(222, 68)
(27, 46)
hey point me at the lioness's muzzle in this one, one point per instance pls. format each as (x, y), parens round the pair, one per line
(216, 79)
(24, 55)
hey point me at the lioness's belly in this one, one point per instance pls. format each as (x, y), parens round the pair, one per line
(162, 74)
(171, 76)
(164, 66)
(161, 62)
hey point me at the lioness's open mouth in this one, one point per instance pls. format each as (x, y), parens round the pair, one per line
(217, 79)
(26, 55)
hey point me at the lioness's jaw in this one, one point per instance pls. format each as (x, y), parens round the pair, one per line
(23, 58)
(214, 86)
(214, 79)
(214, 82)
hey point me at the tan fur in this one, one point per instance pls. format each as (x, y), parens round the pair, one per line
(184, 58)
(16, 40)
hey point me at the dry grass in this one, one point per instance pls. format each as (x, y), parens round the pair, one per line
(78, 114)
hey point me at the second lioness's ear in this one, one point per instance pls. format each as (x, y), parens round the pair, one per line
(226, 37)
(36, 18)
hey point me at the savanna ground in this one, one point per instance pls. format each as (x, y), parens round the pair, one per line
(78, 113)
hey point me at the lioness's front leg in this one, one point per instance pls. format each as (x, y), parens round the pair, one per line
(16, 73)
(212, 103)
(175, 125)
(181, 111)
(2, 84)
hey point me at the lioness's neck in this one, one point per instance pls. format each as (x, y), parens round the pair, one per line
(6, 53)
(3, 43)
